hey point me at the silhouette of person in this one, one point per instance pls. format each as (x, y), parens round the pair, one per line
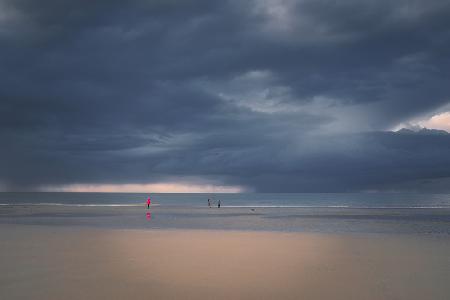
(218, 204)
(149, 202)
(209, 203)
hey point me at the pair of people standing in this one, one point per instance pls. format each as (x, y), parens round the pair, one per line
(209, 203)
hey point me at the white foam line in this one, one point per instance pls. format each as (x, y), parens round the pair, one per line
(284, 206)
(76, 205)
(334, 206)
(226, 206)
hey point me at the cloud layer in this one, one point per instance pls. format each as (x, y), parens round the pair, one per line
(265, 95)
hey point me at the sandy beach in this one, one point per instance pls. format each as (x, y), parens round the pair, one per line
(50, 262)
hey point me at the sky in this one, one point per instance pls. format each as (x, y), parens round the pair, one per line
(225, 96)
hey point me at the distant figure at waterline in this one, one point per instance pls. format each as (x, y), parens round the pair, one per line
(218, 204)
(149, 202)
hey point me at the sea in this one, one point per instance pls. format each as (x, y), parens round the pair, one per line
(262, 200)
(341, 213)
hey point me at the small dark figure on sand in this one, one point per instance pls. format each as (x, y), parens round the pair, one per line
(218, 204)
(209, 203)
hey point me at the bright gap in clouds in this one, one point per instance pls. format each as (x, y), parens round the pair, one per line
(144, 188)
(439, 121)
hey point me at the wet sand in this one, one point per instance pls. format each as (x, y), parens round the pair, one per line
(52, 262)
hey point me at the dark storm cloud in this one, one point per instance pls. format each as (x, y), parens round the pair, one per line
(241, 93)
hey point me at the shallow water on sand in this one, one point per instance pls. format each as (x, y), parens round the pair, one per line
(332, 200)
(326, 220)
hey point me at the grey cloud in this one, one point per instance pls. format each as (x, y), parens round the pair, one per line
(114, 92)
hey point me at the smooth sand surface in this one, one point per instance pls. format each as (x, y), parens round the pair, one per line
(48, 262)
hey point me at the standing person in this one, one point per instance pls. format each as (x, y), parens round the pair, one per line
(209, 203)
(149, 202)
(218, 204)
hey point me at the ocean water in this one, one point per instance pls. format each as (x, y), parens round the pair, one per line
(391, 213)
(266, 200)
